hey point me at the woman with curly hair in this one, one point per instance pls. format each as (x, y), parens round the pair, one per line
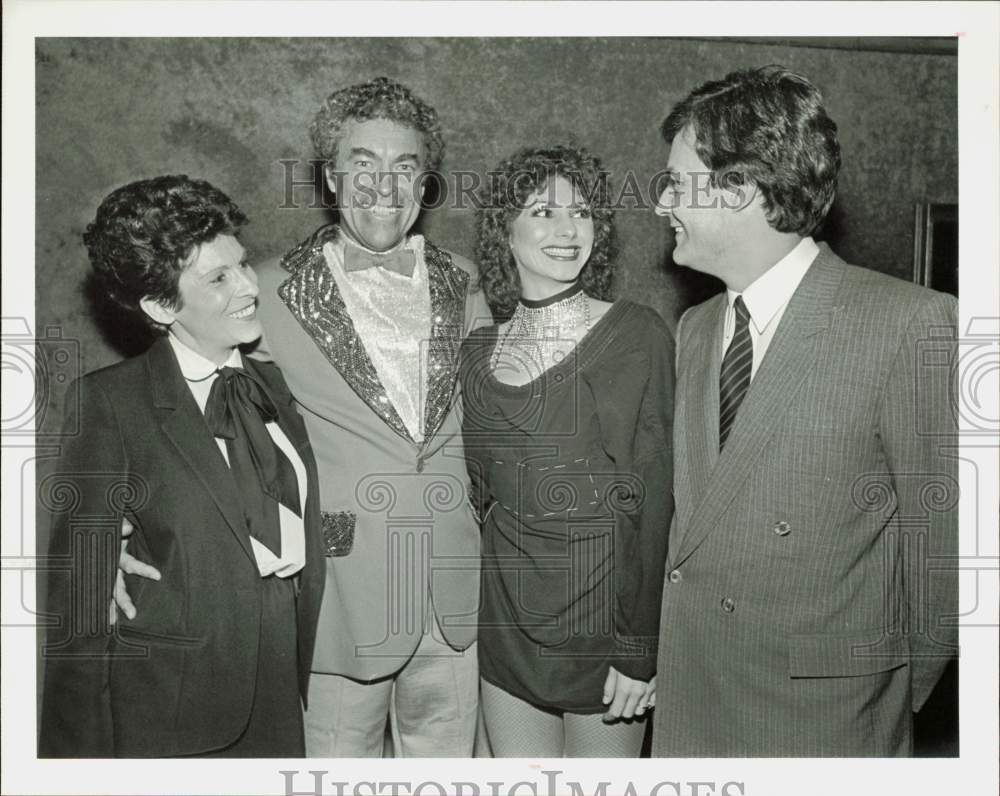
(201, 453)
(567, 429)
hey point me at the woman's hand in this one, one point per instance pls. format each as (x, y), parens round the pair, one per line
(648, 699)
(128, 565)
(626, 697)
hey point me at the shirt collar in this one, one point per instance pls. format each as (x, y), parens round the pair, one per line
(772, 289)
(194, 367)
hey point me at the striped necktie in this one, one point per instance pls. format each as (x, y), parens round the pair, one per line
(734, 378)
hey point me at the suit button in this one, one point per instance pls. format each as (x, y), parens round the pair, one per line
(781, 528)
(675, 576)
(728, 605)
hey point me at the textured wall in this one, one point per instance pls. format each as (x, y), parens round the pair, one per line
(114, 110)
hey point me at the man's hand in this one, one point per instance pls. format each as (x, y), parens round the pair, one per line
(132, 566)
(624, 696)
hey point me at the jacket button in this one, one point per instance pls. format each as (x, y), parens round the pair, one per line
(675, 576)
(728, 605)
(781, 528)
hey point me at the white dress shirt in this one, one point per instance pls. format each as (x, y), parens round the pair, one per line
(392, 315)
(766, 299)
(200, 373)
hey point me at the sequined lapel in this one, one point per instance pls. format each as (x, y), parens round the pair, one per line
(312, 296)
(448, 287)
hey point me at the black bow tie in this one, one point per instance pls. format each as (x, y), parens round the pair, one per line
(238, 408)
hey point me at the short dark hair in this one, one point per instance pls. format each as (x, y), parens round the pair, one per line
(145, 233)
(768, 127)
(508, 188)
(380, 98)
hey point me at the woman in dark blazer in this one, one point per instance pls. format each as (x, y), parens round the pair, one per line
(202, 452)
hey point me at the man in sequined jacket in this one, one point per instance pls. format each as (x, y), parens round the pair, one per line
(366, 321)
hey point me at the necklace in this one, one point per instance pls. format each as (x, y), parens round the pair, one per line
(543, 330)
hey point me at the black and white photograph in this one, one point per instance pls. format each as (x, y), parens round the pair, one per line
(500, 398)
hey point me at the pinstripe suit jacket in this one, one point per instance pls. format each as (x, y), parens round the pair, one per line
(805, 611)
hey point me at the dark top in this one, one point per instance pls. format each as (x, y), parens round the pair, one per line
(572, 476)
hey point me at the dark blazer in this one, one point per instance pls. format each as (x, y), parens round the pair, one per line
(809, 603)
(179, 679)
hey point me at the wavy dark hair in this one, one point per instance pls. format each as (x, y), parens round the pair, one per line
(508, 188)
(380, 98)
(145, 233)
(767, 127)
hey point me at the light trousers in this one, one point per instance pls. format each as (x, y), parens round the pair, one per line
(433, 702)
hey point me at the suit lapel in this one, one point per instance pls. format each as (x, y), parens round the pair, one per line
(312, 296)
(703, 400)
(184, 424)
(697, 404)
(790, 357)
(448, 286)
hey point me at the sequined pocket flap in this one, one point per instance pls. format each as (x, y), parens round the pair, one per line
(338, 532)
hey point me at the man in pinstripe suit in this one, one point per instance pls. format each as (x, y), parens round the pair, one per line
(809, 604)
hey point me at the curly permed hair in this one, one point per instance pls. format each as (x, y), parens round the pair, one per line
(509, 186)
(766, 126)
(145, 233)
(380, 98)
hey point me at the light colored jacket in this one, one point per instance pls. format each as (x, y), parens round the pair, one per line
(415, 539)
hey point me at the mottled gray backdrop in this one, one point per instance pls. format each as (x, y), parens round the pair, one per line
(114, 110)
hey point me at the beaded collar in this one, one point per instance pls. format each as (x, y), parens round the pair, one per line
(546, 325)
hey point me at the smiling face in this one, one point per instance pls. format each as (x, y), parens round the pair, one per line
(703, 216)
(551, 239)
(218, 301)
(376, 180)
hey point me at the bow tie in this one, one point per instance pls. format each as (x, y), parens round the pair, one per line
(238, 408)
(234, 393)
(400, 261)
